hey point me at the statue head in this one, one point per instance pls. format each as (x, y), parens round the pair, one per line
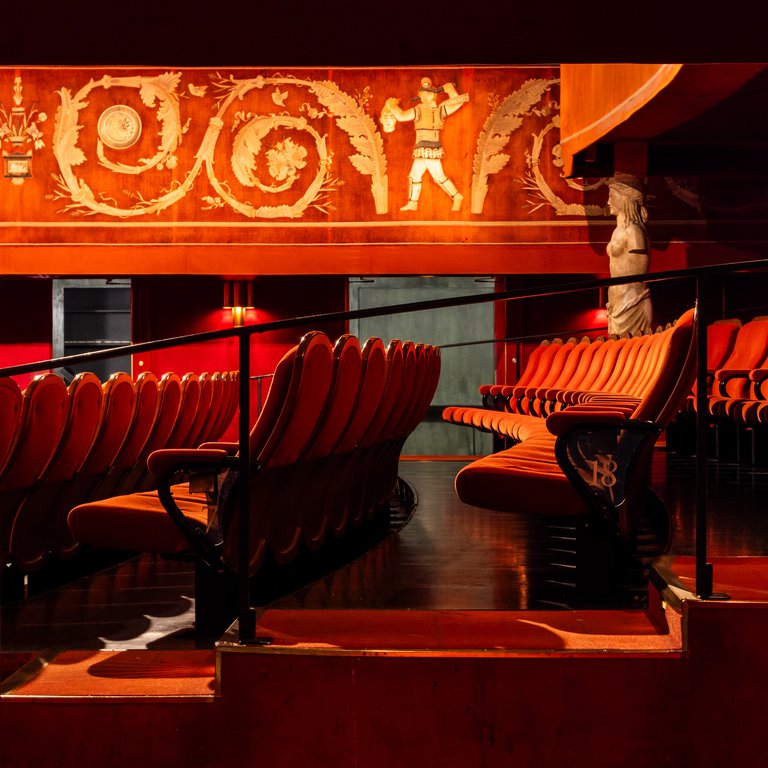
(625, 197)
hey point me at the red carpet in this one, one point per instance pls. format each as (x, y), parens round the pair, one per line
(743, 578)
(416, 631)
(118, 673)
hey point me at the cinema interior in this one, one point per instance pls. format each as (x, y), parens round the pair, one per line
(399, 402)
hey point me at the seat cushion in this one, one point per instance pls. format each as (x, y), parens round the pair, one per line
(506, 482)
(136, 522)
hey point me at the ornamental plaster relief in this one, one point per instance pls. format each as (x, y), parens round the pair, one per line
(283, 153)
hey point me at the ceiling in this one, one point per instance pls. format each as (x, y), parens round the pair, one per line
(350, 33)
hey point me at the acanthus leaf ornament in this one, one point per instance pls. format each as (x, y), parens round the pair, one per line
(160, 92)
(535, 182)
(504, 119)
(352, 118)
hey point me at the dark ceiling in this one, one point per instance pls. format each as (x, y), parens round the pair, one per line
(337, 33)
(374, 33)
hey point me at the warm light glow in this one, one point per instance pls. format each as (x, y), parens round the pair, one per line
(238, 296)
(238, 316)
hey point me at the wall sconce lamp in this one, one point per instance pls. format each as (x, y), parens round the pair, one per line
(238, 296)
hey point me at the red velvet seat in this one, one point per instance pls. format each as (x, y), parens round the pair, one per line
(489, 392)
(11, 400)
(529, 401)
(178, 433)
(731, 382)
(327, 412)
(230, 405)
(43, 412)
(142, 422)
(542, 400)
(37, 521)
(401, 359)
(219, 402)
(428, 379)
(545, 473)
(204, 406)
(169, 400)
(287, 446)
(721, 336)
(117, 411)
(381, 462)
(514, 396)
(188, 410)
(140, 522)
(373, 380)
(315, 469)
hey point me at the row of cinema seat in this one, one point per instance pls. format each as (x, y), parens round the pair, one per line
(737, 396)
(324, 458)
(583, 420)
(61, 446)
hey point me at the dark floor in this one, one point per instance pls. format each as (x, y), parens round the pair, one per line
(449, 556)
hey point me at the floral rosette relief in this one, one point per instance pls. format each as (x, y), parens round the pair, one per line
(264, 150)
(118, 127)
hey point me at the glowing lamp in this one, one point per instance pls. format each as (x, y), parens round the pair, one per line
(238, 296)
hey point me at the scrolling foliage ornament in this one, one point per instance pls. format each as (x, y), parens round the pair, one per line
(505, 118)
(157, 91)
(284, 160)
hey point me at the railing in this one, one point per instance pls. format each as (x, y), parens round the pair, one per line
(703, 277)
(259, 379)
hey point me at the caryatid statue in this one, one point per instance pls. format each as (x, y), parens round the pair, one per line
(629, 305)
(428, 117)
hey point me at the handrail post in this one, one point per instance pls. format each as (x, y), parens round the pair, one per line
(246, 614)
(704, 570)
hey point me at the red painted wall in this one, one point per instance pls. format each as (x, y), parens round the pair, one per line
(25, 322)
(168, 306)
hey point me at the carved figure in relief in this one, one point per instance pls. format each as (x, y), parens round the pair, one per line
(629, 305)
(429, 118)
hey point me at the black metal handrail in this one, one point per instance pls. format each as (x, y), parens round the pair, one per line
(247, 616)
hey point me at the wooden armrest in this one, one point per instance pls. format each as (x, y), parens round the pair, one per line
(230, 447)
(725, 374)
(163, 461)
(560, 422)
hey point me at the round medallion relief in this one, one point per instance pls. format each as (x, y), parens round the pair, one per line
(119, 126)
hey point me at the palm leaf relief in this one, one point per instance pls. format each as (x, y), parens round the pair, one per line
(363, 134)
(500, 125)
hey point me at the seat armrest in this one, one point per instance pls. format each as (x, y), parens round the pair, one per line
(724, 375)
(163, 461)
(601, 455)
(759, 375)
(166, 463)
(230, 447)
(560, 422)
